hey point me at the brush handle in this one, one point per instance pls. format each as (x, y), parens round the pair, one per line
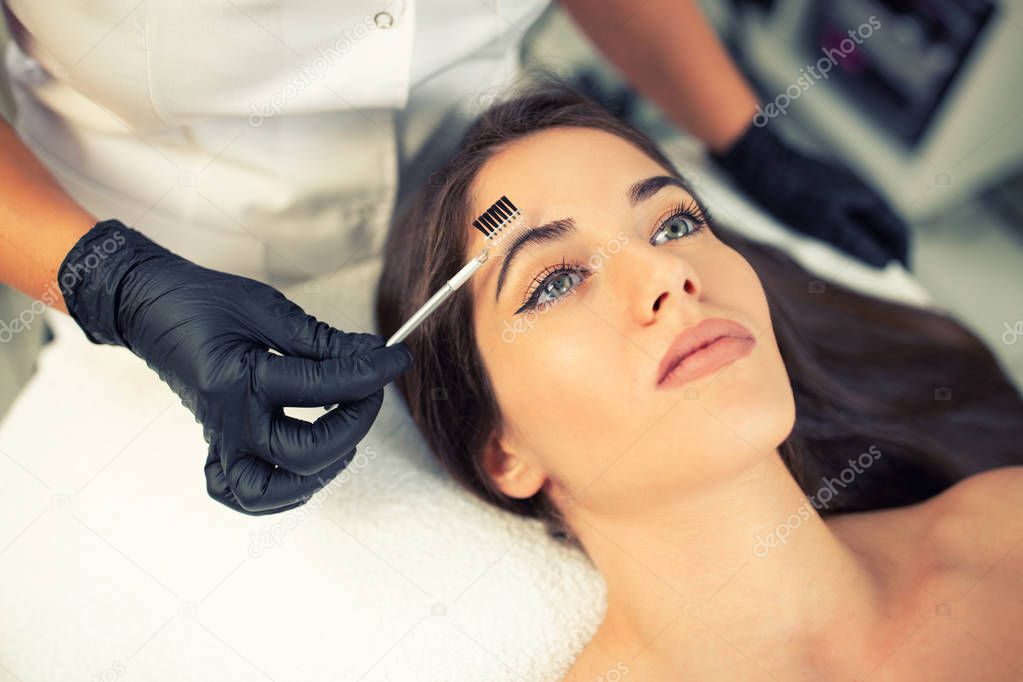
(460, 278)
(452, 285)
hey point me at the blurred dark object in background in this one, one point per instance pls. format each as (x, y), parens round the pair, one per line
(925, 103)
(900, 74)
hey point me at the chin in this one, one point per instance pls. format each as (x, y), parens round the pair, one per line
(757, 405)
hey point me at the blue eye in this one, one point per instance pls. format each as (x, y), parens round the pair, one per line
(684, 221)
(554, 282)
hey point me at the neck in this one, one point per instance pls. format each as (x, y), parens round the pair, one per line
(745, 569)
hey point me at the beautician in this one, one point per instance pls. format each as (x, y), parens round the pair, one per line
(259, 144)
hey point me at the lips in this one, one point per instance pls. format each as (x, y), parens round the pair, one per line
(704, 347)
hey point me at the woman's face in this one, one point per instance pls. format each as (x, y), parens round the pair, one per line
(625, 267)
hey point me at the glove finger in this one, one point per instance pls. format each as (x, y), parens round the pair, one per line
(894, 234)
(217, 488)
(259, 486)
(304, 336)
(299, 382)
(854, 241)
(306, 447)
(885, 227)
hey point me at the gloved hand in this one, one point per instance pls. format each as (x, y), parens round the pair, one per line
(816, 197)
(207, 334)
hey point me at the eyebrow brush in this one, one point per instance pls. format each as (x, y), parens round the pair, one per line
(497, 223)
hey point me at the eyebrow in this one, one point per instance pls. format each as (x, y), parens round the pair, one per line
(558, 229)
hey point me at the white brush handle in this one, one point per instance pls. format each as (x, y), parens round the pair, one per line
(460, 278)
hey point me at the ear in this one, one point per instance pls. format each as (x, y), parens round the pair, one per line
(512, 474)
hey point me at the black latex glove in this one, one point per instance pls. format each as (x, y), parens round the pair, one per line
(207, 334)
(817, 198)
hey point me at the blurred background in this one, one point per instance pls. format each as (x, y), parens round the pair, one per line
(17, 356)
(929, 109)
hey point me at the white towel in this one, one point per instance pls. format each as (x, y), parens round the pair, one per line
(114, 563)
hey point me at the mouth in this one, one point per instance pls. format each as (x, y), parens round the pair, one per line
(703, 349)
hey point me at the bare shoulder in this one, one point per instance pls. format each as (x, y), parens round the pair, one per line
(988, 496)
(968, 527)
(997, 491)
(980, 518)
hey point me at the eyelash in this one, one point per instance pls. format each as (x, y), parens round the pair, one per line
(688, 209)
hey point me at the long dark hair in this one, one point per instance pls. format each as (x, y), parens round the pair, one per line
(866, 373)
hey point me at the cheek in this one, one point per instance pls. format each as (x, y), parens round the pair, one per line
(542, 369)
(560, 399)
(730, 282)
(759, 405)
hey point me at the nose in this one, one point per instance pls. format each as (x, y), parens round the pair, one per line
(658, 282)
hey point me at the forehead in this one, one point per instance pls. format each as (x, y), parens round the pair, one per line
(558, 172)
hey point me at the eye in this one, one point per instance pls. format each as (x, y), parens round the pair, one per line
(684, 221)
(555, 281)
(552, 283)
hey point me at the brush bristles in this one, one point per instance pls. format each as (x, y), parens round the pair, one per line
(496, 218)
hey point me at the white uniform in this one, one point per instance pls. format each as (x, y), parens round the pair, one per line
(261, 137)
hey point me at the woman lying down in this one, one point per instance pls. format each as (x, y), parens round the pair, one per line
(820, 490)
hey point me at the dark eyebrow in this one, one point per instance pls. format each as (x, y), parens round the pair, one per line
(644, 189)
(551, 231)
